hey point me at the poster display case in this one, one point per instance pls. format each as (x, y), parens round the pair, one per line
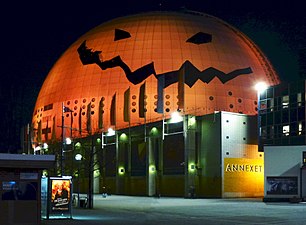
(56, 193)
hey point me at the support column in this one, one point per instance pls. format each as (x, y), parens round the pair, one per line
(151, 169)
(190, 155)
(120, 167)
(96, 174)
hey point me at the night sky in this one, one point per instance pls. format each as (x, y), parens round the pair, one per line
(35, 34)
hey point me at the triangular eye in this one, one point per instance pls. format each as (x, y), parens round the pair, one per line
(200, 38)
(121, 34)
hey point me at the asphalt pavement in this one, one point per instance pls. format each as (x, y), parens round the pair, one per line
(128, 210)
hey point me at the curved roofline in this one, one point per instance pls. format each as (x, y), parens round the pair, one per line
(264, 61)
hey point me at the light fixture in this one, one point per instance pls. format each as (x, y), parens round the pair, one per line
(123, 137)
(78, 157)
(191, 121)
(78, 145)
(152, 169)
(176, 117)
(121, 170)
(110, 132)
(260, 87)
(154, 131)
(68, 141)
(192, 167)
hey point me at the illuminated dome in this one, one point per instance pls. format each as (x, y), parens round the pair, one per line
(218, 64)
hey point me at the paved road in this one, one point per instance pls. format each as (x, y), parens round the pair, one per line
(127, 210)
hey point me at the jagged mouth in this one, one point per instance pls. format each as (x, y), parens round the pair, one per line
(87, 56)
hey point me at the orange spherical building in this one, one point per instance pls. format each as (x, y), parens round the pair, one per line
(140, 68)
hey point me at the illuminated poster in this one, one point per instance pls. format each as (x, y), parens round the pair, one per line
(282, 185)
(60, 195)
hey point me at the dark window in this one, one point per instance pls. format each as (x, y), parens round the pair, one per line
(293, 115)
(263, 120)
(270, 132)
(285, 116)
(278, 103)
(294, 129)
(270, 93)
(269, 118)
(270, 104)
(293, 98)
(48, 107)
(277, 117)
(301, 113)
(278, 131)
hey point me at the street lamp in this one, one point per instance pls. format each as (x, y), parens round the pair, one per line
(78, 157)
(260, 87)
(68, 141)
(110, 132)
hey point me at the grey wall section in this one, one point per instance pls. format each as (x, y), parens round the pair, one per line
(283, 168)
(190, 156)
(209, 155)
(238, 130)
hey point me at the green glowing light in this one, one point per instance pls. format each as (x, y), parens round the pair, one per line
(152, 169)
(121, 170)
(192, 121)
(191, 167)
(78, 145)
(154, 131)
(123, 137)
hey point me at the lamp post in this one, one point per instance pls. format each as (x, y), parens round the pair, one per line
(78, 157)
(64, 110)
(260, 87)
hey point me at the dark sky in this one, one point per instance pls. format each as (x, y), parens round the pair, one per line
(35, 34)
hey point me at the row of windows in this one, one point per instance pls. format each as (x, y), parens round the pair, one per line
(278, 131)
(284, 102)
(284, 116)
(283, 90)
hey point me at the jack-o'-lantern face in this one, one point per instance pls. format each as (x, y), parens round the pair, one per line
(218, 65)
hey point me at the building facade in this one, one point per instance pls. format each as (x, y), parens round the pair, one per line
(213, 155)
(130, 74)
(282, 112)
(282, 126)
